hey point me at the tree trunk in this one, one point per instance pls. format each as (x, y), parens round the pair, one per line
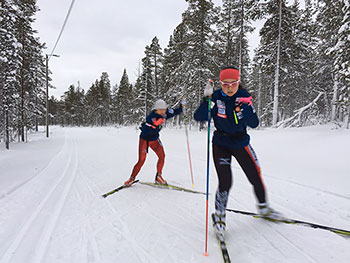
(335, 97)
(276, 85)
(7, 132)
(259, 92)
(241, 39)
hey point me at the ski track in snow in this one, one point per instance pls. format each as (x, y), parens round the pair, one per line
(88, 236)
(308, 187)
(38, 213)
(43, 172)
(64, 218)
(127, 235)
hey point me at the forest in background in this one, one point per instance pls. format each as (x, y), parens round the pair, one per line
(299, 74)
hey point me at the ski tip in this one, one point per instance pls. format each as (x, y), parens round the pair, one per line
(206, 254)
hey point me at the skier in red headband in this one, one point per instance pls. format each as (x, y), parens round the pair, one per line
(232, 113)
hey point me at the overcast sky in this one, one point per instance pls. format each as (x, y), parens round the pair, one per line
(106, 35)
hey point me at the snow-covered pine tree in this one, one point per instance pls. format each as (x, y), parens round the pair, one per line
(196, 70)
(137, 106)
(304, 64)
(97, 101)
(9, 63)
(231, 43)
(124, 100)
(174, 57)
(143, 89)
(30, 75)
(329, 20)
(279, 57)
(105, 91)
(155, 54)
(341, 52)
(92, 104)
(114, 104)
(262, 96)
(74, 106)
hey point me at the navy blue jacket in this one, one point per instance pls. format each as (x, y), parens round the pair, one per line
(151, 128)
(230, 119)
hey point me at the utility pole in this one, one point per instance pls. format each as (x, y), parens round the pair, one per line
(47, 93)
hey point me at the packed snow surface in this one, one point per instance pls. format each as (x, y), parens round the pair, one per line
(51, 209)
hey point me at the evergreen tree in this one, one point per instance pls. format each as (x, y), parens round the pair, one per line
(114, 104)
(341, 53)
(280, 53)
(137, 106)
(74, 106)
(144, 87)
(98, 101)
(174, 58)
(196, 70)
(155, 54)
(329, 20)
(9, 62)
(231, 37)
(124, 100)
(30, 74)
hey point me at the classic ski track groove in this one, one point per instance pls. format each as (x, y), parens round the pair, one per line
(91, 236)
(40, 249)
(305, 254)
(45, 237)
(114, 212)
(256, 229)
(283, 237)
(177, 230)
(286, 210)
(169, 226)
(42, 172)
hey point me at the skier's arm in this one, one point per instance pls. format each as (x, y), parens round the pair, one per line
(250, 116)
(201, 114)
(172, 112)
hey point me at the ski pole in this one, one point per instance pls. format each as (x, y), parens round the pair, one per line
(189, 152)
(208, 157)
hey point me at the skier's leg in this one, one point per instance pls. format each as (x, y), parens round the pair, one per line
(222, 161)
(248, 160)
(142, 158)
(158, 148)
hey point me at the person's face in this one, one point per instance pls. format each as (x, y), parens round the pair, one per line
(161, 111)
(229, 86)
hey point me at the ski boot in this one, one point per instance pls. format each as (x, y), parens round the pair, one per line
(219, 224)
(129, 181)
(266, 211)
(160, 180)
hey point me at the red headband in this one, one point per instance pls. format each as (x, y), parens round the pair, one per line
(229, 73)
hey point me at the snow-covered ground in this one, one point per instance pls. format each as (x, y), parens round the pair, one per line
(51, 208)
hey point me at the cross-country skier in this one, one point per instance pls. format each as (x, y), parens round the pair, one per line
(149, 137)
(232, 113)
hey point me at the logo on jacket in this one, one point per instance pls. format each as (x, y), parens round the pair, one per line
(221, 109)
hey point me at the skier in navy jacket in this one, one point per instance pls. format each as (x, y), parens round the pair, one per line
(232, 113)
(149, 137)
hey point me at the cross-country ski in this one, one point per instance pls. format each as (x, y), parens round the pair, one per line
(286, 220)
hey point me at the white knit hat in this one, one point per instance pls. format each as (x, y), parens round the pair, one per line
(160, 104)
